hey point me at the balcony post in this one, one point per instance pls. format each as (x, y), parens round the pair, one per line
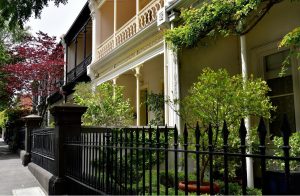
(115, 21)
(138, 96)
(67, 57)
(172, 88)
(137, 15)
(84, 42)
(75, 62)
(249, 160)
(114, 85)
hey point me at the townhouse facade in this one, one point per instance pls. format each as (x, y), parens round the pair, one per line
(122, 42)
(77, 43)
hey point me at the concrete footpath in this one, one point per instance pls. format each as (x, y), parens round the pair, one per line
(15, 179)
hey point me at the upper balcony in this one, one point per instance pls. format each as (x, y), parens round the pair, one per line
(78, 47)
(122, 21)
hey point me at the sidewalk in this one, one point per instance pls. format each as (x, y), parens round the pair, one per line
(15, 179)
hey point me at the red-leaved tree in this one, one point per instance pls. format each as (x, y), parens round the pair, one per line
(37, 67)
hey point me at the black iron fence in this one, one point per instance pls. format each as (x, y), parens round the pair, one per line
(153, 161)
(42, 148)
(157, 161)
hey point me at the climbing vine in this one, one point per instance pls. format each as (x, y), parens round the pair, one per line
(212, 18)
(291, 40)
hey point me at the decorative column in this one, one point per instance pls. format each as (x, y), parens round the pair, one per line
(65, 45)
(84, 42)
(75, 62)
(137, 10)
(67, 119)
(96, 25)
(138, 96)
(31, 122)
(115, 21)
(249, 160)
(114, 85)
(172, 85)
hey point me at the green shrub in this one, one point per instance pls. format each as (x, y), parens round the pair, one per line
(106, 104)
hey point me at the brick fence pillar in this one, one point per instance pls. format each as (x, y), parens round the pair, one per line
(31, 122)
(67, 119)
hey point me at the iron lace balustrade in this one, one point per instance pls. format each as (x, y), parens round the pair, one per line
(79, 70)
(42, 151)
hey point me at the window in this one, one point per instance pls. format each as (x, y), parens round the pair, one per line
(281, 94)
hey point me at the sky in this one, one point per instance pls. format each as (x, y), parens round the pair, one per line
(56, 21)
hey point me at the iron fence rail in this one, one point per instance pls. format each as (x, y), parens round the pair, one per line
(42, 148)
(147, 160)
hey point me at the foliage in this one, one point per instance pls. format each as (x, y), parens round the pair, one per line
(278, 151)
(38, 64)
(3, 118)
(16, 13)
(292, 41)
(216, 97)
(11, 115)
(106, 105)
(155, 103)
(212, 18)
(7, 39)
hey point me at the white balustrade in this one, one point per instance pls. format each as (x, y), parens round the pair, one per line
(106, 47)
(126, 31)
(146, 17)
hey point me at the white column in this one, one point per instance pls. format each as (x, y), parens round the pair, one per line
(249, 160)
(65, 60)
(138, 96)
(115, 21)
(173, 89)
(166, 84)
(137, 10)
(114, 85)
(96, 23)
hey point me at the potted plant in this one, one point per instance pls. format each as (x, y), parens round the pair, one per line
(215, 97)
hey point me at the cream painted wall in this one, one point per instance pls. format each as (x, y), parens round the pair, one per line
(125, 11)
(129, 82)
(71, 56)
(222, 53)
(153, 74)
(152, 79)
(106, 20)
(281, 18)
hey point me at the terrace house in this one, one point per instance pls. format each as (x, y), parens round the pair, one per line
(129, 49)
(77, 44)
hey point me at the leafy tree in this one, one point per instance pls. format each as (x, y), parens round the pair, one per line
(16, 12)
(106, 105)
(37, 66)
(7, 39)
(216, 97)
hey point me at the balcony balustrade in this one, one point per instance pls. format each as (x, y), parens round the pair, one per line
(145, 17)
(79, 69)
